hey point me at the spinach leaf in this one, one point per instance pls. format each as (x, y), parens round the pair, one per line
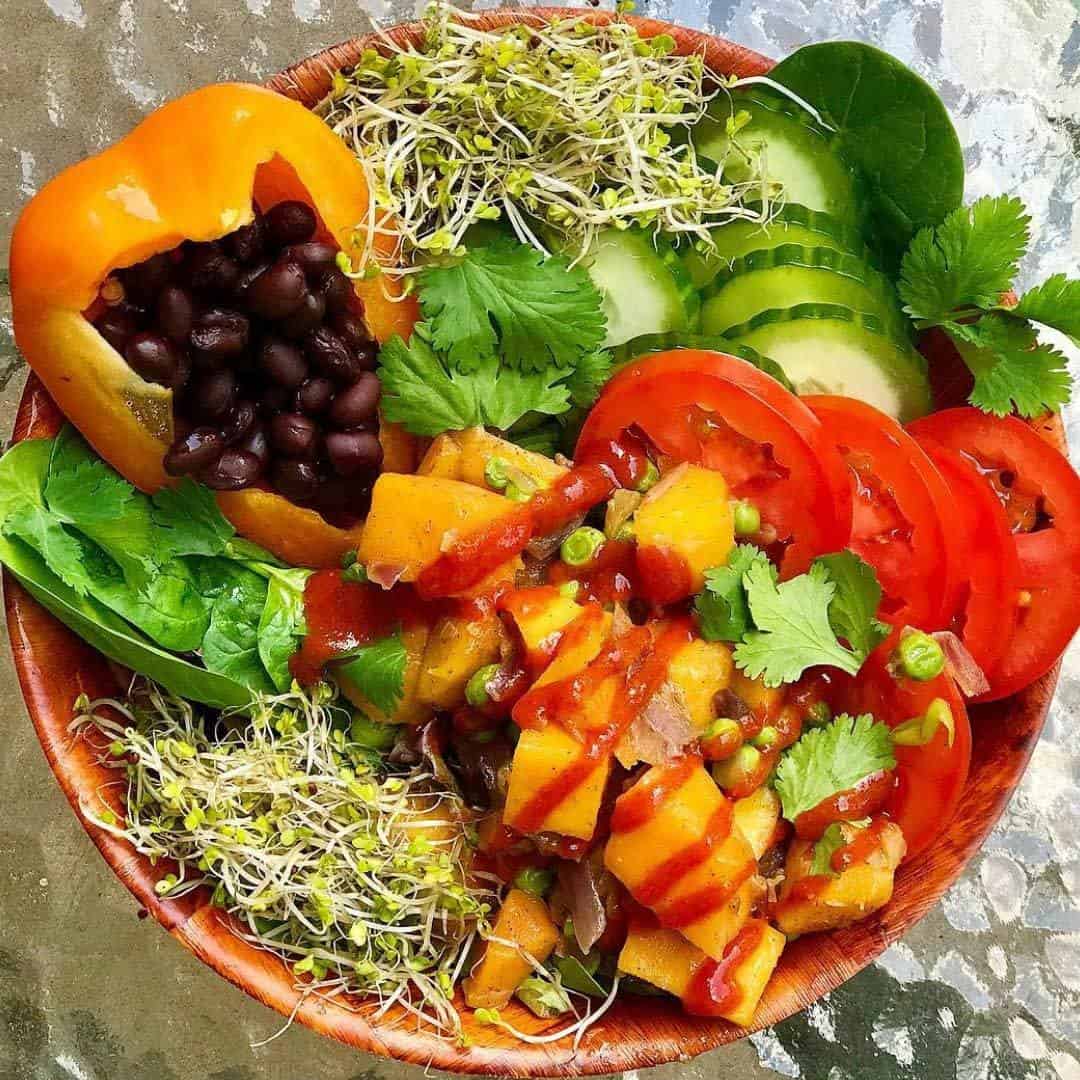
(187, 521)
(110, 635)
(231, 644)
(889, 124)
(282, 623)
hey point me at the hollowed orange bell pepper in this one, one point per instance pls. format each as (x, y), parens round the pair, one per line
(189, 171)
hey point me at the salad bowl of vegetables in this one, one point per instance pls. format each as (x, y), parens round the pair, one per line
(538, 543)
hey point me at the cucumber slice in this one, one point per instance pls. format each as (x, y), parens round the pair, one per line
(788, 275)
(829, 349)
(656, 343)
(797, 153)
(791, 224)
(645, 286)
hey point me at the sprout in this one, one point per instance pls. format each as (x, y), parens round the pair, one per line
(356, 879)
(564, 127)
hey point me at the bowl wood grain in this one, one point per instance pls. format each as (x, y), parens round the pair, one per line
(54, 666)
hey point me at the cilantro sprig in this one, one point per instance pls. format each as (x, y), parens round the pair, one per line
(955, 275)
(831, 759)
(826, 617)
(377, 670)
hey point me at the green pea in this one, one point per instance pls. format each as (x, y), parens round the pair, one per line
(722, 727)
(747, 518)
(495, 474)
(535, 881)
(920, 657)
(766, 737)
(581, 546)
(818, 715)
(476, 691)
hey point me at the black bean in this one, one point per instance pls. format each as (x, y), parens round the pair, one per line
(335, 496)
(336, 289)
(153, 357)
(117, 325)
(211, 270)
(357, 403)
(213, 395)
(290, 222)
(305, 318)
(255, 442)
(352, 452)
(248, 242)
(314, 257)
(183, 371)
(193, 452)
(278, 291)
(274, 399)
(298, 481)
(235, 469)
(352, 329)
(283, 363)
(143, 281)
(314, 395)
(220, 332)
(293, 434)
(330, 355)
(175, 313)
(247, 276)
(239, 422)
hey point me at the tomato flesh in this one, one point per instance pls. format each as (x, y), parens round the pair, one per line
(901, 506)
(1038, 490)
(771, 455)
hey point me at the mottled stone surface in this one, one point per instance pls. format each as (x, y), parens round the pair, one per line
(988, 986)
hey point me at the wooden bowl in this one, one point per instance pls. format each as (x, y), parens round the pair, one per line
(54, 666)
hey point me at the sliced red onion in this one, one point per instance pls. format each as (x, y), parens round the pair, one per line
(581, 886)
(970, 678)
(385, 575)
(660, 732)
(543, 547)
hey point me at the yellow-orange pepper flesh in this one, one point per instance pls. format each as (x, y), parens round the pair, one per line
(189, 171)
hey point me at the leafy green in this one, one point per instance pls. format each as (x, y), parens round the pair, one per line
(427, 397)
(60, 550)
(507, 300)
(188, 521)
(722, 611)
(831, 759)
(853, 611)
(378, 671)
(1054, 303)
(793, 628)
(22, 472)
(579, 976)
(587, 379)
(282, 624)
(543, 439)
(545, 998)
(231, 644)
(955, 277)
(832, 840)
(968, 261)
(890, 125)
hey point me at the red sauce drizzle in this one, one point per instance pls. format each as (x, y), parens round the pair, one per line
(470, 558)
(687, 910)
(714, 990)
(672, 870)
(663, 574)
(643, 665)
(867, 797)
(636, 807)
(609, 578)
(865, 843)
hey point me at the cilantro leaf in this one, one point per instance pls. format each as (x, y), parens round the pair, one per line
(721, 608)
(282, 623)
(421, 393)
(506, 298)
(231, 644)
(832, 840)
(1011, 366)
(188, 521)
(587, 379)
(831, 759)
(60, 551)
(968, 260)
(853, 611)
(1054, 303)
(378, 671)
(794, 631)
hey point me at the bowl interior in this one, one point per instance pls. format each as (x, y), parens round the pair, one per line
(54, 666)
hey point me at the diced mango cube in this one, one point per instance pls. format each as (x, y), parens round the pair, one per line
(464, 455)
(752, 973)
(756, 817)
(524, 920)
(700, 670)
(661, 957)
(455, 649)
(409, 710)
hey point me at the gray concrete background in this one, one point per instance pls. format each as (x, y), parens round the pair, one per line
(988, 986)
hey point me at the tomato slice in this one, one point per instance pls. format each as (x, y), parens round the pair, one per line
(901, 506)
(986, 612)
(1039, 492)
(930, 778)
(768, 454)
